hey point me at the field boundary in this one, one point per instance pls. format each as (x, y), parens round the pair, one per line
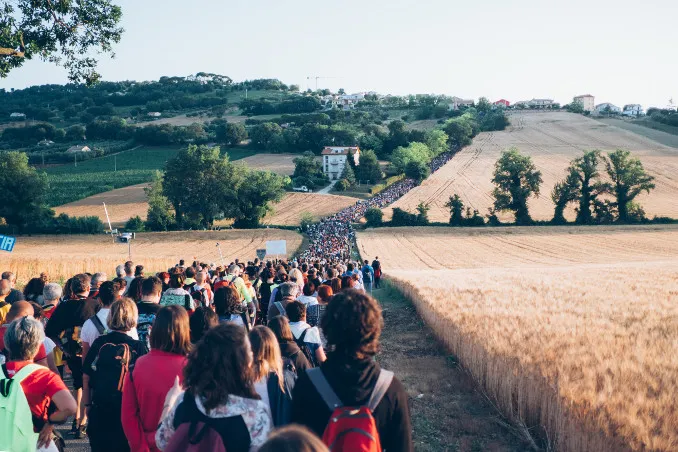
(521, 394)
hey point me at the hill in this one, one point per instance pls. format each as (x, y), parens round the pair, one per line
(552, 140)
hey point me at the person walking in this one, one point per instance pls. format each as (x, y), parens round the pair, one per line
(108, 362)
(154, 374)
(368, 276)
(376, 265)
(218, 385)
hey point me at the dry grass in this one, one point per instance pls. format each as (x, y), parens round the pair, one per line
(64, 256)
(569, 330)
(128, 202)
(553, 140)
(278, 163)
(288, 212)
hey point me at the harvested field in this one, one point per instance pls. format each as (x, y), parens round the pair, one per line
(567, 328)
(63, 256)
(552, 139)
(288, 212)
(128, 202)
(278, 163)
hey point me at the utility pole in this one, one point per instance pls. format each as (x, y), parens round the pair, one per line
(75, 158)
(245, 93)
(115, 163)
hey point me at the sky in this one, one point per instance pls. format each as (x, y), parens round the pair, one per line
(620, 51)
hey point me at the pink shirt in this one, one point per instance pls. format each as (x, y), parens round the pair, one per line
(143, 396)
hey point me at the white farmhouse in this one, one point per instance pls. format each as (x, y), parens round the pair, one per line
(17, 116)
(154, 114)
(587, 101)
(604, 108)
(540, 103)
(633, 110)
(335, 158)
(458, 102)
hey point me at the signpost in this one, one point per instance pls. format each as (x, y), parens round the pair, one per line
(7, 243)
(261, 254)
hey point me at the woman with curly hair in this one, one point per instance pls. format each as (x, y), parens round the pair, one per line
(219, 384)
(352, 325)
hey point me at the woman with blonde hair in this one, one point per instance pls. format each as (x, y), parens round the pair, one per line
(110, 358)
(272, 381)
(297, 277)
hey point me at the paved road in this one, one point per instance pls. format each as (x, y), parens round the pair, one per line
(326, 190)
(73, 445)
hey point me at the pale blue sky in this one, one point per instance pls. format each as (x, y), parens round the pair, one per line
(621, 51)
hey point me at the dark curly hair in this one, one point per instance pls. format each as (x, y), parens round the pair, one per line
(352, 324)
(227, 301)
(221, 365)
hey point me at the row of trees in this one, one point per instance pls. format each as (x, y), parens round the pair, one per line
(200, 186)
(596, 199)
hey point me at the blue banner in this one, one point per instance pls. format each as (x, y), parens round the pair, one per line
(7, 243)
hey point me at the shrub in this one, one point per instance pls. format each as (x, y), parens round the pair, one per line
(374, 216)
(134, 224)
(306, 220)
(417, 170)
(342, 185)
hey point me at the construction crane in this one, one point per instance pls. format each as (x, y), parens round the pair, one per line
(316, 80)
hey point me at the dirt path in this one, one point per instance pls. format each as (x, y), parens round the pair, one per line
(448, 413)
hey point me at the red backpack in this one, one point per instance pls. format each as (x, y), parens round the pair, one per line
(351, 429)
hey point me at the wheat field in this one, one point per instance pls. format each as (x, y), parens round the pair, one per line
(63, 256)
(552, 139)
(573, 329)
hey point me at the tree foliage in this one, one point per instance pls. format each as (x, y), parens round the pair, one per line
(23, 190)
(415, 152)
(160, 216)
(374, 216)
(368, 169)
(629, 179)
(417, 170)
(516, 179)
(67, 33)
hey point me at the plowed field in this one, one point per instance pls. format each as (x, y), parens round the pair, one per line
(552, 140)
(569, 328)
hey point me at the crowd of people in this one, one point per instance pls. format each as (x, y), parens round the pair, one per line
(331, 238)
(245, 352)
(269, 356)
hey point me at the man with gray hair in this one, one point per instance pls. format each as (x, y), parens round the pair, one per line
(97, 279)
(14, 294)
(51, 295)
(120, 271)
(288, 292)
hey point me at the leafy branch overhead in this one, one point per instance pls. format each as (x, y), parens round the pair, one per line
(70, 33)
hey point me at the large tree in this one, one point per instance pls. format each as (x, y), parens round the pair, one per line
(160, 212)
(516, 180)
(66, 32)
(368, 168)
(629, 179)
(255, 193)
(23, 190)
(415, 152)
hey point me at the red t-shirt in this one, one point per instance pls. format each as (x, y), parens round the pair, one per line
(39, 387)
(42, 352)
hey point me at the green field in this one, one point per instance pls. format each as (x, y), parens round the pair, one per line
(70, 183)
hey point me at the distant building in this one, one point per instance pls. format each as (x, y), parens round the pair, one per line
(458, 102)
(632, 110)
(17, 116)
(540, 104)
(335, 158)
(154, 114)
(74, 149)
(606, 107)
(587, 101)
(45, 143)
(503, 103)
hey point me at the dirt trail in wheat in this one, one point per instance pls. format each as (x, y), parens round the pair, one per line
(552, 140)
(573, 328)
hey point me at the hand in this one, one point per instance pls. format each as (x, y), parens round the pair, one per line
(171, 397)
(45, 435)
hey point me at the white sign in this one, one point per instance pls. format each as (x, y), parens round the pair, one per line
(276, 248)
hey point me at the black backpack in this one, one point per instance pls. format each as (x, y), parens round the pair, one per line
(110, 368)
(307, 349)
(199, 294)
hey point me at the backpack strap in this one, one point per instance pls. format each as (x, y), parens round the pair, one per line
(6, 383)
(383, 383)
(245, 321)
(280, 308)
(98, 324)
(303, 335)
(324, 389)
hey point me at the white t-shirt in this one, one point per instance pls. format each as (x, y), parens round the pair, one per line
(312, 335)
(49, 345)
(89, 331)
(307, 300)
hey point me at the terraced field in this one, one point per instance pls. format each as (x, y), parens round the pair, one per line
(566, 328)
(552, 140)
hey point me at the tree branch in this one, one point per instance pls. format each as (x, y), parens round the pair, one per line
(11, 52)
